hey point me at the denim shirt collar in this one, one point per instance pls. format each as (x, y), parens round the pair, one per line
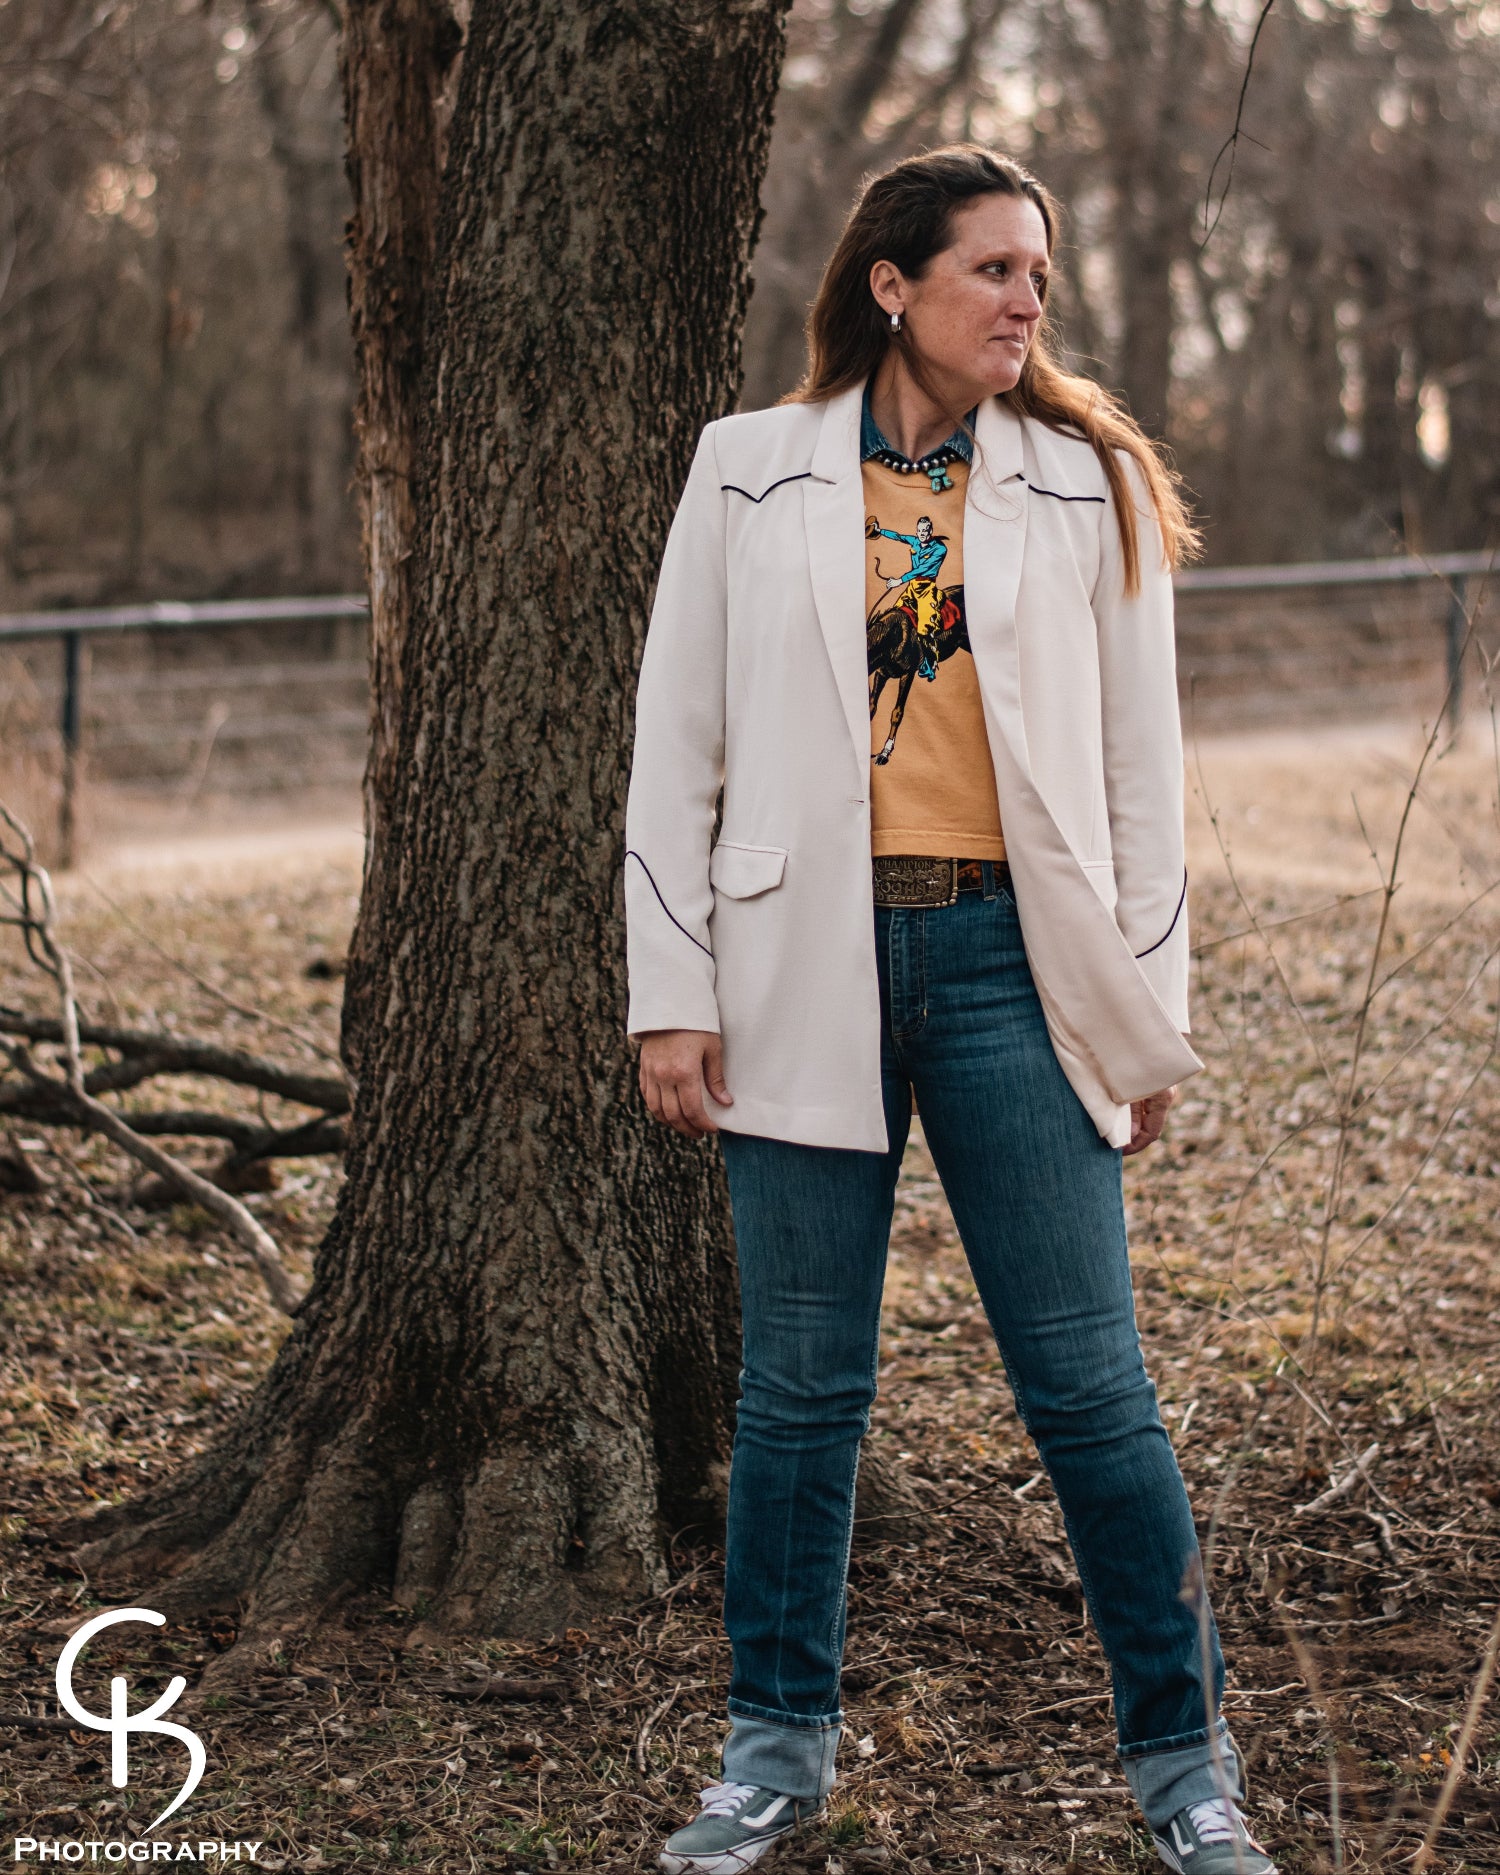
(872, 440)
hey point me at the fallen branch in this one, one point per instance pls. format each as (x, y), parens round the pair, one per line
(35, 913)
(247, 1230)
(147, 1053)
(657, 1713)
(251, 1140)
(1100, 1793)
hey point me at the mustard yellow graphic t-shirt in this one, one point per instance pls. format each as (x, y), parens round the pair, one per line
(932, 782)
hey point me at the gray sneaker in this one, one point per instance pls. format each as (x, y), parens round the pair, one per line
(735, 1826)
(1210, 1838)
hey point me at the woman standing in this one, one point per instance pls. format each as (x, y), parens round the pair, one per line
(916, 622)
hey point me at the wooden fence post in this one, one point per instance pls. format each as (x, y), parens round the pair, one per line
(67, 807)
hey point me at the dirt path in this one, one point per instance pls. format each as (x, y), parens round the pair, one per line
(1289, 804)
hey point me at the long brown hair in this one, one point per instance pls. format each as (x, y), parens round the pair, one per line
(905, 216)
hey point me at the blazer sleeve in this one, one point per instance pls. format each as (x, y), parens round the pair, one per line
(1143, 758)
(677, 766)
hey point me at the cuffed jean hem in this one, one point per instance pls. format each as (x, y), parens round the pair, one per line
(1168, 1776)
(788, 1753)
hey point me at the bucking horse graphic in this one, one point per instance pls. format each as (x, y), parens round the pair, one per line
(910, 636)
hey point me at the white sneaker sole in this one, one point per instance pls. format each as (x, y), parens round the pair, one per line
(1174, 1861)
(720, 1861)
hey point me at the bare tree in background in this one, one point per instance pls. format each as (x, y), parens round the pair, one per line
(175, 379)
(866, 88)
(174, 358)
(1299, 358)
(1323, 365)
(287, 46)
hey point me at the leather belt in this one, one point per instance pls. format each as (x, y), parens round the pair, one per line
(917, 879)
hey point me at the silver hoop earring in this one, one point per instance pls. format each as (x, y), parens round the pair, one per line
(895, 322)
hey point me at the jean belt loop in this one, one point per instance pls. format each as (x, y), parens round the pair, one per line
(987, 873)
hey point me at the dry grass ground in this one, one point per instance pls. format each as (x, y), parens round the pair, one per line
(979, 1723)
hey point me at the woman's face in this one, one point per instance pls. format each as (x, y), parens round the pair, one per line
(972, 315)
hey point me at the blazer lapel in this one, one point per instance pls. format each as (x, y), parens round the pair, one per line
(996, 509)
(834, 513)
(1099, 998)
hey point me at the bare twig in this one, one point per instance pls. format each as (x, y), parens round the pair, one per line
(1477, 1697)
(1194, 1592)
(653, 1718)
(1275, 924)
(1491, 1050)
(1349, 1101)
(1341, 1487)
(1324, 1710)
(1231, 141)
(35, 880)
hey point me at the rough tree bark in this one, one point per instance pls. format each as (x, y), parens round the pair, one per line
(513, 1376)
(399, 61)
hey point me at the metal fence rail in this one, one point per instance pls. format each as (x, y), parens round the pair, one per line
(73, 626)
(1460, 570)
(1334, 572)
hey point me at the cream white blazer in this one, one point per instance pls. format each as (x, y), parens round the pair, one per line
(755, 676)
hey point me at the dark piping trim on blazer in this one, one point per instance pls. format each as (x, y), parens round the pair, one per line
(733, 488)
(730, 488)
(1057, 497)
(630, 853)
(1173, 925)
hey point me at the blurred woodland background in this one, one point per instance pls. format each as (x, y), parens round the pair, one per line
(1312, 326)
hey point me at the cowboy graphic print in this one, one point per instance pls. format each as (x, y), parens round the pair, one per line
(921, 604)
(927, 733)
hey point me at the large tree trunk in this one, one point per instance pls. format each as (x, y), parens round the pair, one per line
(513, 1378)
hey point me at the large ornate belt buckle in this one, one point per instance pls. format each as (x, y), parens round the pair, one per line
(915, 879)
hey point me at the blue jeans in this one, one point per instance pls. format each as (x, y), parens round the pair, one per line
(1037, 1198)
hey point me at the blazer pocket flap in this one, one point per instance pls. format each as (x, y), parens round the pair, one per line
(742, 871)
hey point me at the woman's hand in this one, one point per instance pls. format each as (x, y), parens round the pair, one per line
(675, 1065)
(1147, 1118)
